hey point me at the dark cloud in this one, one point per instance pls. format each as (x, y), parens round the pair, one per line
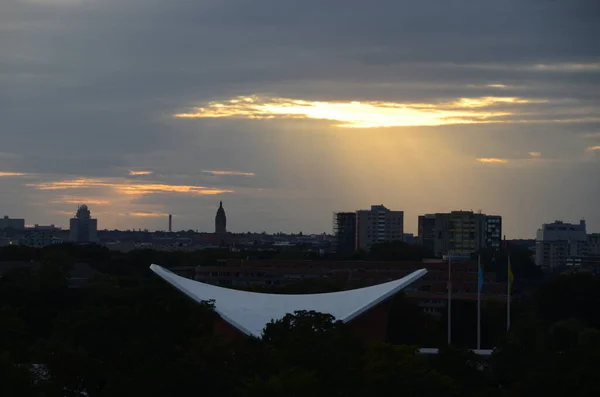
(87, 88)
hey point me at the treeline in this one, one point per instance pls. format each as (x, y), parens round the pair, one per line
(387, 251)
(127, 333)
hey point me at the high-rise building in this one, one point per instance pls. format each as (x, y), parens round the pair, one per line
(493, 232)
(378, 225)
(344, 230)
(428, 235)
(221, 220)
(40, 236)
(170, 223)
(83, 228)
(459, 232)
(558, 241)
(594, 244)
(12, 223)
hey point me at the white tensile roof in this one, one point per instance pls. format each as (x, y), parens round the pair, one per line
(250, 312)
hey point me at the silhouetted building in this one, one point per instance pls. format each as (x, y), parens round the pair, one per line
(594, 244)
(221, 220)
(170, 223)
(344, 230)
(558, 241)
(378, 225)
(459, 232)
(11, 223)
(82, 228)
(40, 236)
(493, 232)
(427, 233)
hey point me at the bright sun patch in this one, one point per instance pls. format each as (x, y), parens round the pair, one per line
(492, 160)
(363, 114)
(127, 187)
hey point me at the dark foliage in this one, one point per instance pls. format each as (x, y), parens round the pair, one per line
(126, 333)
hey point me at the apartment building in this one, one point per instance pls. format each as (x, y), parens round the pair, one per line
(378, 225)
(12, 223)
(364, 228)
(459, 232)
(40, 236)
(557, 242)
(594, 244)
(83, 228)
(344, 230)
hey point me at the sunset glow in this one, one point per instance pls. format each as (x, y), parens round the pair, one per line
(127, 187)
(492, 160)
(363, 114)
(76, 200)
(137, 173)
(141, 214)
(229, 173)
(8, 174)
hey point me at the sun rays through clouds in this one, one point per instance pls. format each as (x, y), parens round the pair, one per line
(368, 114)
(127, 187)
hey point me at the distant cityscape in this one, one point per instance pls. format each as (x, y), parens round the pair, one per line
(458, 233)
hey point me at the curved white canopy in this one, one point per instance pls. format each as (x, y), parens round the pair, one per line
(250, 312)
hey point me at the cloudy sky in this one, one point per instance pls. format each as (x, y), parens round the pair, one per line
(289, 110)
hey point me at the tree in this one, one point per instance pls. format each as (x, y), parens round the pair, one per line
(16, 380)
(389, 367)
(409, 325)
(395, 251)
(312, 341)
(289, 383)
(567, 296)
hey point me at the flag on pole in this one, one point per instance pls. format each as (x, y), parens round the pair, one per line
(449, 286)
(479, 278)
(509, 283)
(479, 286)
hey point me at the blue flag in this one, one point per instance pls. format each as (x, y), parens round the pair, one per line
(480, 278)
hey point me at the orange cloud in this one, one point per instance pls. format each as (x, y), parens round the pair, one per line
(144, 214)
(229, 173)
(487, 101)
(535, 154)
(127, 187)
(76, 200)
(136, 173)
(362, 114)
(593, 148)
(492, 160)
(8, 174)
(70, 214)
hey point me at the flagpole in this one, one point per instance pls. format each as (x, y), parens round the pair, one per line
(449, 286)
(508, 288)
(479, 275)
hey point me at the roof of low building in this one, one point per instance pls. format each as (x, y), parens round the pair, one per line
(250, 312)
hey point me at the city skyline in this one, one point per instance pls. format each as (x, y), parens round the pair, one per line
(289, 112)
(220, 214)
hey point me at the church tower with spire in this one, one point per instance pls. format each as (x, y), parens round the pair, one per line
(221, 220)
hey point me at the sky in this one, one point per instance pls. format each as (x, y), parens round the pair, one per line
(291, 110)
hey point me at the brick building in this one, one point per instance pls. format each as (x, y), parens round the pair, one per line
(430, 291)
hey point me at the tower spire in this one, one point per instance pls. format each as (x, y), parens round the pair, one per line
(221, 220)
